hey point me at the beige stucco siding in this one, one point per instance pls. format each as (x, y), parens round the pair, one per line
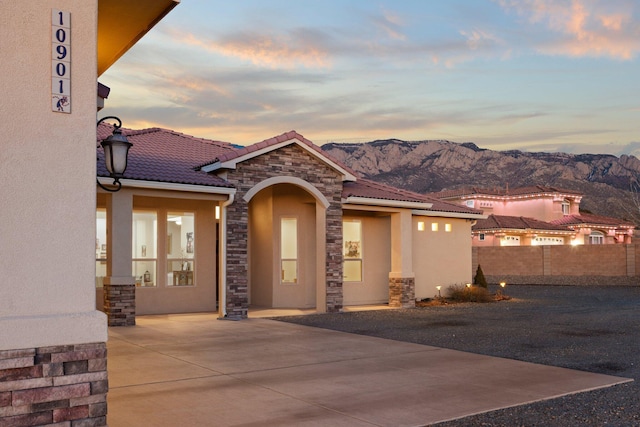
(266, 210)
(47, 168)
(376, 263)
(440, 257)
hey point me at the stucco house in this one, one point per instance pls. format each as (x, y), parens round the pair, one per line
(207, 225)
(53, 361)
(536, 215)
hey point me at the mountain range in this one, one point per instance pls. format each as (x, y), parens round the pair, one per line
(610, 184)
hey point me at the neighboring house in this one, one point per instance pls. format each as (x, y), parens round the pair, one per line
(536, 215)
(276, 224)
(597, 230)
(501, 230)
(53, 360)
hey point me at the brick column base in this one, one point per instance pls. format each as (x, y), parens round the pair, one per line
(120, 304)
(402, 292)
(62, 385)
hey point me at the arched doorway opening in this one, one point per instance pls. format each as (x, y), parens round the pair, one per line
(286, 248)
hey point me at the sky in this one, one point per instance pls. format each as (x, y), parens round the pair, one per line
(532, 75)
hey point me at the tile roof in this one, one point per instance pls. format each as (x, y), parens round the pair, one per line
(502, 222)
(592, 220)
(504, 192)
(166, 156)
(375, 190)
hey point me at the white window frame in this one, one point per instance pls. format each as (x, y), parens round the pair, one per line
(288, 259)
(347, 248)
(596, 238)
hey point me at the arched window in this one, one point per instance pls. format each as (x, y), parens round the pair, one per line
(596, 238)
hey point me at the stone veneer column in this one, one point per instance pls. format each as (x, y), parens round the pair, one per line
(61, 385)
(401, 278)
(237, 302)
(119, 296)
(402, 292)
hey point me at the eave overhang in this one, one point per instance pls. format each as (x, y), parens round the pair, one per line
(353, 200)
(169, 186)
(121, 23)
(444, 214)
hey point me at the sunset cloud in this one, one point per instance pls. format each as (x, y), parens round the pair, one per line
(391, 24)
(583, 28)
(299, 48)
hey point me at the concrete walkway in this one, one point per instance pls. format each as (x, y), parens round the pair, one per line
(195, 370)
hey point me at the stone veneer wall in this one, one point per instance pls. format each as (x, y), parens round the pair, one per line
(120, 304)
(402, 292)
(62, 385)
(287, 161)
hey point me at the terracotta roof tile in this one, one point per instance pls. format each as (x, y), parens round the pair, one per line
(590, 219)
(165, 156)
(375, 190)
(501, 222)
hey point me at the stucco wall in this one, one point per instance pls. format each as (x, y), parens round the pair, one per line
(47, 169)
(179, 299)
(440, 257)
(376, 252)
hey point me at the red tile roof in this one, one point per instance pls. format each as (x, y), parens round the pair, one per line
(166, 156)
(505, 222)
(374, 190)
(592, 220)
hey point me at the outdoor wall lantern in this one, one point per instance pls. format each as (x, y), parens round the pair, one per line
(116, 150)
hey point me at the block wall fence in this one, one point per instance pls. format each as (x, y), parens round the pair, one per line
(560, 265)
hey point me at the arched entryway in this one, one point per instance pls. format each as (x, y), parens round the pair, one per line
(286, 247)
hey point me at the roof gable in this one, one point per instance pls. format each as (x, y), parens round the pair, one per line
(229, 160)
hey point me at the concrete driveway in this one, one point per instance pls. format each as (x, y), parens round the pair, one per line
(195, 370)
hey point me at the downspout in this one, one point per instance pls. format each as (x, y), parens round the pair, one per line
(222, 278)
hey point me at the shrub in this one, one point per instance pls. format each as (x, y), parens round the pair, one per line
(479, 279)
(463, 293)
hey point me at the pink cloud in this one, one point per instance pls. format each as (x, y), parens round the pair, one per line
(264, 50)
(584, 27)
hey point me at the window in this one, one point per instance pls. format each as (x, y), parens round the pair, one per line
(469, 203)
(596, 238)
(420, 225)
(144, 243)
(565, 207)
(510, 241)
(447, 228)
(434, 226)
(289, 250)
(352, 250)
(101, 246)
(180, 248)
(481, 237)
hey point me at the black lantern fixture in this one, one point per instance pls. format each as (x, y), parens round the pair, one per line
(116, 150)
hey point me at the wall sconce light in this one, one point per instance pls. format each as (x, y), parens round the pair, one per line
(116, 150)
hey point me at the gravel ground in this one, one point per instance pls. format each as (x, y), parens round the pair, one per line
(594, 328)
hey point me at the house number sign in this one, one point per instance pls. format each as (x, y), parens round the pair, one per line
(60, 61)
